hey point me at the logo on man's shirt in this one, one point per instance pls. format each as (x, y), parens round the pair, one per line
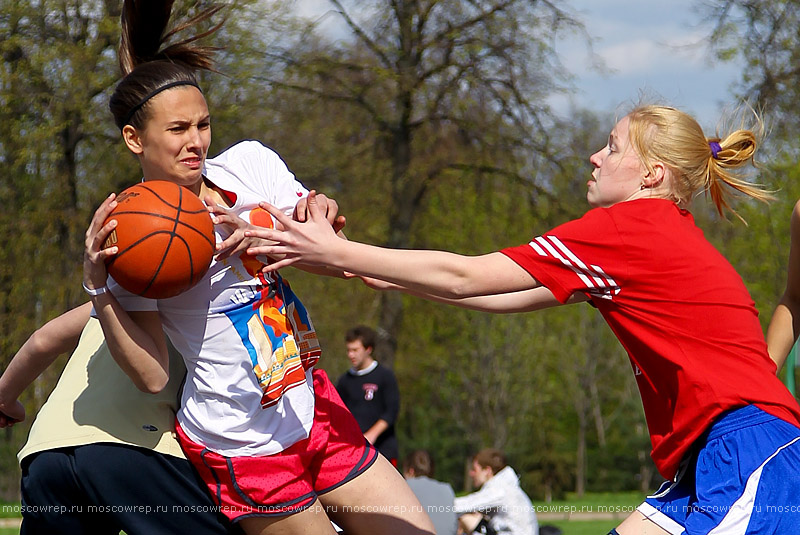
(369, 390)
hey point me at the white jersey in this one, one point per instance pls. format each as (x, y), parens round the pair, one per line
(509, 509)
(248, 343)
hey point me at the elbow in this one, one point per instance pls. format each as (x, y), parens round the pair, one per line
(461, 291)
(38, 342)
(153, 385)
(458, 289)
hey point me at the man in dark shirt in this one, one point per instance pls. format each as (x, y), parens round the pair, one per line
(370, 391)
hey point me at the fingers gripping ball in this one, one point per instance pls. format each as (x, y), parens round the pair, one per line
(165, 238)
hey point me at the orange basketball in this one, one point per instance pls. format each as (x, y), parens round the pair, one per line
(165, 239)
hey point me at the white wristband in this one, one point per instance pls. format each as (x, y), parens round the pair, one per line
(95, 291)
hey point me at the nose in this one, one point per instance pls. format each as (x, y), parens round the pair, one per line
(194, 139)
(596, 158)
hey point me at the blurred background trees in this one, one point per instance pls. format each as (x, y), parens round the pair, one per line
(427, 121)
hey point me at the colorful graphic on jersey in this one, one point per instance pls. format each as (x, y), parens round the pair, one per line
(275, 329)
(279, 337)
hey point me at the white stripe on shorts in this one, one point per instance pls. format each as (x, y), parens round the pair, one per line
(660, 519)
(736, 520)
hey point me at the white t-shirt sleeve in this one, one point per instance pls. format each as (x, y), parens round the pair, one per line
(485, 499)
(267, 174)
(129, 301)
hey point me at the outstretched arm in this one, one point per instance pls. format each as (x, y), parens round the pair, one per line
(505, 303)
(785, 324)
(437, 273)
(56, 337)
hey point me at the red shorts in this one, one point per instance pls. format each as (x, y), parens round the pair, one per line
(290, 481)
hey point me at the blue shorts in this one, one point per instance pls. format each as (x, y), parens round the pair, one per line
(743, 480)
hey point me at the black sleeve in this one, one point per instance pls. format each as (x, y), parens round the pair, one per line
(391, 398)
(341, 388)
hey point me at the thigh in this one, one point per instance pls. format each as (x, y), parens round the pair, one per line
(310, 521)
(147, 492)
(377, 501)
(53, 500)
(638, 524)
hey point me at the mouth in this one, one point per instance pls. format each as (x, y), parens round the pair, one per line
(192, 163)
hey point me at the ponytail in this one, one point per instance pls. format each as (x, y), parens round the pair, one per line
(714, 165)
(150, 63)
(726, 157)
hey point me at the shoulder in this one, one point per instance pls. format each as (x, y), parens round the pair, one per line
(631, 218)
(248, 148)
(593, 221)
(346, 377)
(382, 370)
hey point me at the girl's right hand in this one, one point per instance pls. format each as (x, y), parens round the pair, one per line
(95, 255)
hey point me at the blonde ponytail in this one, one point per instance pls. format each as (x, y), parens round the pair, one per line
(714, 165)
(736, 151)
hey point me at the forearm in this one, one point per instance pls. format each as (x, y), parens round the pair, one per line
(782, 331)
(433, 274)
(376, 430)
(783, 328)
(136, 341)
(58, 336)
(321, 270)
(507, 303)
(482, 500)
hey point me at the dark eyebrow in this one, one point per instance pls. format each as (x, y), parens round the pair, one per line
(183, 122)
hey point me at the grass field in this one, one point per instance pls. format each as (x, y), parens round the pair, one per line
(617, 505)
(579, 527)
(602, 499)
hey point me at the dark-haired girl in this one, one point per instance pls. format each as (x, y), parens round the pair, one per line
(267, 432)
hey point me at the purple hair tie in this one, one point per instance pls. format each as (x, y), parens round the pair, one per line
(715, 148)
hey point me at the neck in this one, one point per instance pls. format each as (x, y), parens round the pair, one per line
(656, 192)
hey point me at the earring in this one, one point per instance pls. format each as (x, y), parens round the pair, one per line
(642, 187)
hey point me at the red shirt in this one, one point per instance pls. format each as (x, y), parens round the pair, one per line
(676, 305)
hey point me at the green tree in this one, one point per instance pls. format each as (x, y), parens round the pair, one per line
(764, 34)
(442, 86)
(60, 155)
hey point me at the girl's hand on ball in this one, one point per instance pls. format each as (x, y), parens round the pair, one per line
(95, 254)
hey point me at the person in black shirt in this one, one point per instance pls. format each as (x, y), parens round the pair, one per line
(370, 391)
